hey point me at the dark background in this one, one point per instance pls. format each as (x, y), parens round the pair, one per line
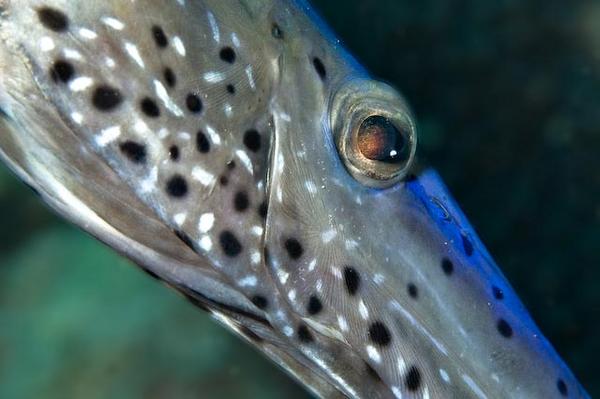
(507, 95)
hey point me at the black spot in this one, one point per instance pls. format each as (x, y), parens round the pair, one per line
(304, 334)
(263, 208)
(252, 140)
(371, 372)
(227, 54)
(293, 248)
(136, 152)
(231, 165)
(412, 290)
(62, 71)
(504, 328)
(467, 244)
(240, 201)
(106, 98)
(174, 153)
(202, 143)
(223, 180)
(184, 238)
(193, 103)
(498, 293)
(159, 36)
(379, 334)
(319, 67)
(562, 387)
(412, 380)
(352, 279)
(314, 305)
(276, 31)
(169, 76)
(229, 243)
(177, 186)
(447, 266)
(149, 107)
(260, 301)
(53, 19)
(266, 255)
(230, 89)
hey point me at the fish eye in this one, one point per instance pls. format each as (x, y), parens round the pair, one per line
(374, 132)
(378, 139)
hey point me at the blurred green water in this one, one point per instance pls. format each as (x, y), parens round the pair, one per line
(507, 96)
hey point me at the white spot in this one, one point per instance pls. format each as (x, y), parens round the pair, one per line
(474, 387)
(214, 27)
(108, 135)
(288, 331)
(292, 295)
(426, 393)
(214, 137)
(351, 244)
(228, 110)
(179, 218)
(342, 323)
(214, 77)
(163, 133)
(245, 160)
(184, 136)
(401, 366)
(279, 194)
(250, 76)
(283, 276)
(248, 281)
(179, 47)
(311, 265)
(319, 285)
(72, 54)
(81, 83)
(328, 235)
(378, 278)
(113, 23)
(285, 117)
(336, 272)
(255, 258)
(87, 34)
(110, 62)
(495, 377)
(140, 126)
(204, 177)
(77, 117)
(444, 375)
(161, 92)
(310, 186)
(205, 243)
(206, 222)
(362, 309)
(257, 231)
(149, 183)
(46, 44)
(397, 393)
(235, 40)
(373, 354)
(134, 53)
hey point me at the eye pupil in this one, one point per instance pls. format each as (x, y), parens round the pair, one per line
(379, 140)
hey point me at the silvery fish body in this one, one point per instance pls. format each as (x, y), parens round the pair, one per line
(234, 150)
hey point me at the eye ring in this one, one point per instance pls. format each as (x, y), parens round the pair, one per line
(374, 132)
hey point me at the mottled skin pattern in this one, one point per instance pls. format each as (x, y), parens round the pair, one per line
(206, 141)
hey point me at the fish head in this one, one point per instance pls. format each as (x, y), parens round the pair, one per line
(373, 251)
(234, 150)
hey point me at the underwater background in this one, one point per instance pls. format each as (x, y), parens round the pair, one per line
(507, 95)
